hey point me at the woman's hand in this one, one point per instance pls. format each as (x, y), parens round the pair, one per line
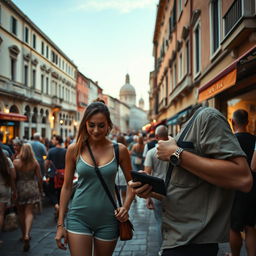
(122, 214)
(61, 233)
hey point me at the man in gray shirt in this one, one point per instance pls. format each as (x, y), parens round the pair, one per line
(157, 168)
(211, 164)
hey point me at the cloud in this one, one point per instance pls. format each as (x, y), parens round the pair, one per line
(122, 6)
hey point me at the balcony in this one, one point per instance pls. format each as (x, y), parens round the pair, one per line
(239, 22)
(56, 102)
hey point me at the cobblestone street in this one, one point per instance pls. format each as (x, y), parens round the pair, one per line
(144, 242)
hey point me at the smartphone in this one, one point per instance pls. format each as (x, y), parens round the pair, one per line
(157, 184)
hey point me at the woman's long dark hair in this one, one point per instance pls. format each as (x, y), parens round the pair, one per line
(94, 108)
(5, 168)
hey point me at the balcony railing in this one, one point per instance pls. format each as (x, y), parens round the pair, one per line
(238, 10)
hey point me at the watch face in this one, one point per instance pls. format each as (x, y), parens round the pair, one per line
(174, 160)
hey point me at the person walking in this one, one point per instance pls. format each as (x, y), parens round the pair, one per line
(157, 168)
(39, 150)
(29, 188)
(3, 146)
(243, 214)
(7, 184)
(208, 164)
(137, 154)
(17, 144)
(92, 222)
(56, 162)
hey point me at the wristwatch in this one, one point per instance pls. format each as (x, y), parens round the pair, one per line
(175, 157)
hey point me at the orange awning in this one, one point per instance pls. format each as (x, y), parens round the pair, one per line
(12, 117)
(219, 86)
(227, 77)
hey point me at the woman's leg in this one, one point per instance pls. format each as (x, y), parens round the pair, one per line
(2, 211)
(21, 215)
(29, 216)
(80, 244)
(250, 240)
(104, 248)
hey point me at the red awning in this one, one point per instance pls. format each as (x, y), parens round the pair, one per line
(227, 77)
(12, 117)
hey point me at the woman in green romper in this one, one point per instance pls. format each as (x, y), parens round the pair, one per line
(91, 220)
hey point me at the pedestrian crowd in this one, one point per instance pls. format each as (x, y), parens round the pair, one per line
(209, 174)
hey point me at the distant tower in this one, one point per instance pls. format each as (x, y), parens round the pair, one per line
(127, 92)
(141, 103)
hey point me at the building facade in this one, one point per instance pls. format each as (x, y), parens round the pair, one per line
(204, 52)
(37, 80)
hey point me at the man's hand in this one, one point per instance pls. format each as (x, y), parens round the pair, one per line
(140, 190)
(166, 148)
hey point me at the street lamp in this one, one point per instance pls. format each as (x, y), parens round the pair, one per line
(61, 122)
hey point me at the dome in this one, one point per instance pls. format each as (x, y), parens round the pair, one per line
(141, 101)
(127, 88)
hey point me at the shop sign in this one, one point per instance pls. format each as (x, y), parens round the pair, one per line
(219, 86)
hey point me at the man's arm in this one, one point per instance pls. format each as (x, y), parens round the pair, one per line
(233, 173)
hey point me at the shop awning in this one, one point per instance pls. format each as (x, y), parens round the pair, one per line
(12, 117)
(227, 77)
(177, 117)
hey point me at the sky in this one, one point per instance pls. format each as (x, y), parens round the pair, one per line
(106, 39)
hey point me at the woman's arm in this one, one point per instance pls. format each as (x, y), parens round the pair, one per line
(125, 163)
(66, 191)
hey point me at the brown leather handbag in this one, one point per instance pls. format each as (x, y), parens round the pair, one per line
(125, 228)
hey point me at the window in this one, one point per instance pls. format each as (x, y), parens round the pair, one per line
(26, 35)
(180, 66)
(47, 85)
(174, 75)
(47, 51)
(26, 75)
(187, 57)
(34, 41)
(215, 21)
(13, 69)
(0, 14)
(13, 25)
(180, 7)
(197, 49)
(42, 83)
(42, 48)
(34, 78)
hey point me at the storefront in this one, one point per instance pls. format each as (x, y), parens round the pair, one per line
(10, 124)
(234, 88)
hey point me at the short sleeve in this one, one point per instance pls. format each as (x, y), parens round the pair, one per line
(216, 137)
(149, 158)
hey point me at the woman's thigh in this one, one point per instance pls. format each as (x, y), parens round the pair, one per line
(104, 248)
(79, 244)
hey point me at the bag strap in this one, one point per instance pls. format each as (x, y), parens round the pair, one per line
(100, 177)
(181, 143)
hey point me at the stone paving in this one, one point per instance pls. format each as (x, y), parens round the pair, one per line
(144, 242)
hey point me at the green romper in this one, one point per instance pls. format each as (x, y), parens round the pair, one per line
(90, 211)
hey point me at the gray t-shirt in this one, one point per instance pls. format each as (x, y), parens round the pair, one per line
(159, 167)
(194, 210)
